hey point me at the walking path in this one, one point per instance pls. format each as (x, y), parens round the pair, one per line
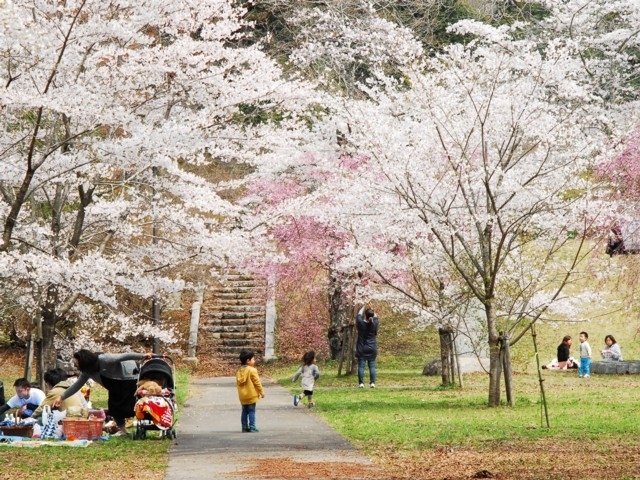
(293, 443)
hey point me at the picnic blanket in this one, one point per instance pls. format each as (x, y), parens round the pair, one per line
(11, 441)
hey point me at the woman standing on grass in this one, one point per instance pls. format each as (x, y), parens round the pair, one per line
(117, 373)
(367, 345)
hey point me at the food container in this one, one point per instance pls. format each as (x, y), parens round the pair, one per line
(80, 429)
(18, 430)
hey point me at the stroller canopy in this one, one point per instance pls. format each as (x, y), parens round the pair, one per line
(157, 368)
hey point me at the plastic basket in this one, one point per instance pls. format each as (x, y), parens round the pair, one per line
(18, 431)
(82, 429)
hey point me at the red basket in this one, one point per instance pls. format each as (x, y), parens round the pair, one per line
(82, 429)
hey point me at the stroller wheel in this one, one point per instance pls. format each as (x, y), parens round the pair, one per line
(140, 433)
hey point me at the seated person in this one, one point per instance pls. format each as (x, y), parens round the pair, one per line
(564, 352)
(611, 351)
(26, 399)
(55, 380)
(563, 360)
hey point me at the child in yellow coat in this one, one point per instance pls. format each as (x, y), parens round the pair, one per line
(249, 390)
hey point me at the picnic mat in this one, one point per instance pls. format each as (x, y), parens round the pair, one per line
(10, 441)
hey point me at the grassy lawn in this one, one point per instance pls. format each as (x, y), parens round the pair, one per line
(416, 429)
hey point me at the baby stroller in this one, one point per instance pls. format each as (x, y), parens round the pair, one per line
(156, 405)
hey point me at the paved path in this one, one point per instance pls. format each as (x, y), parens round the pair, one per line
(293, 443)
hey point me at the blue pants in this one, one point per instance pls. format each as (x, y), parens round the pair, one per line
(248, 417)
(585, 366)
(372, 370)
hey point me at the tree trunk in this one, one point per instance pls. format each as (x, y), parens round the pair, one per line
(346, 353)
(337, 315)
(505, 361)
(446, 356)
(495, 367)
(48, 353)
(352, 350)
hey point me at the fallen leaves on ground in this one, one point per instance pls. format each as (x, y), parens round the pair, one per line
(289, 469)
(527, 460)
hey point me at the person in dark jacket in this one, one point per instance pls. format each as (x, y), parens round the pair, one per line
(117, 373)
(563, 360)
(367, 345)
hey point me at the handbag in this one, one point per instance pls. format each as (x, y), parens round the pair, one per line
(50, 421)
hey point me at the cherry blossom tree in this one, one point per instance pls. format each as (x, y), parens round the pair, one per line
(312, 299)
(279, 199)
(623, 171)
(475, 162)
(112, 116)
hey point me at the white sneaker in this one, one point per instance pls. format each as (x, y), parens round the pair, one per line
(373, 385)
(587, 376)
(362, 385)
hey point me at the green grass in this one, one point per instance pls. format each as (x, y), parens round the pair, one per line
(413, 412)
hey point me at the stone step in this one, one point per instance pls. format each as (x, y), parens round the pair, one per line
(228, 318)
(218, 320)
(214, 337)
(222, 293)
(247, 334)
(233, 328)
(252, 296)
(235, 307)
(236, 342)
(239, 277)
(236, 294)
(231, 318)
(241, 287)
(220, 351)
(241, 281)
(236, 299)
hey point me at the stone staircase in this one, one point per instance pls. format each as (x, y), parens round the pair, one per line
(232, 318)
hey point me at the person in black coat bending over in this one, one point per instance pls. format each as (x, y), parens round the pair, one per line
(367, 345)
